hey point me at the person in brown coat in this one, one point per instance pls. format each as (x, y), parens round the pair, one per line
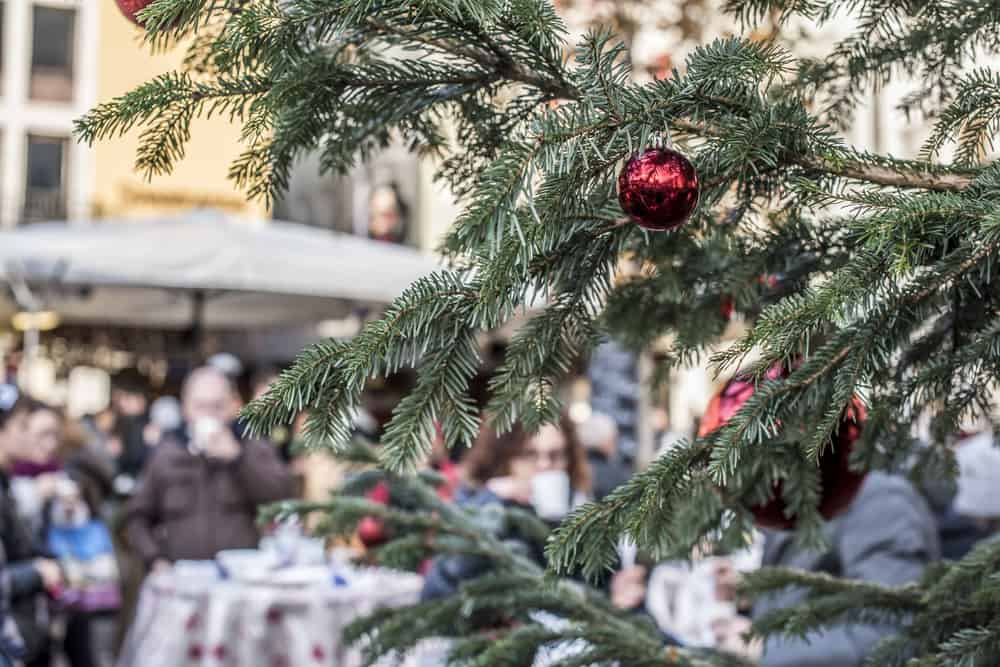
(200, 492)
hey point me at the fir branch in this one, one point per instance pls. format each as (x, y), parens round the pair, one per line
(907, 599)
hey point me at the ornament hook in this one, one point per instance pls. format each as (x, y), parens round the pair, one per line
(658, 142)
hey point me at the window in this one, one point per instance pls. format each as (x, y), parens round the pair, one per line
(52, 46)
(45, 180)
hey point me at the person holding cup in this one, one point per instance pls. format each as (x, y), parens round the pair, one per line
(201, 490)
(546, 473)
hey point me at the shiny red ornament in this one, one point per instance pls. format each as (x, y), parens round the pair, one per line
(658, 189)
(371, 532)
(132, 7)
(839, 484)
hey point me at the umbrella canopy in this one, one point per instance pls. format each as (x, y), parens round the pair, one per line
(203, 269)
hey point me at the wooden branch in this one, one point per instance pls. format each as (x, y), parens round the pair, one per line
(926, 179)
(937, 180)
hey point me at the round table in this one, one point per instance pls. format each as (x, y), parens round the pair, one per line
(203, 622)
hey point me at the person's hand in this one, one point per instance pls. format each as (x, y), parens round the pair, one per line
(50, 572)
(161, 565)
(729, 633)
(727, 578)
(628, 587)
(511, 488)
(113, 447)
(222, 445)
(151, 435)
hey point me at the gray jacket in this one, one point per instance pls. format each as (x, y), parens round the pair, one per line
(887, 536)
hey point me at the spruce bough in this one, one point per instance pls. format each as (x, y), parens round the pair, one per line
(887, 269)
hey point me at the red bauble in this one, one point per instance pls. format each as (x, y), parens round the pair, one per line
(371, 532)
(726, 307)
(658, 189)
(132, 7)
(839, 485)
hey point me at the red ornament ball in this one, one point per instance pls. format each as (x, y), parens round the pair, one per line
(726, 307)
(839, 484)
(132, 7)
(371, 532)
(658, 189)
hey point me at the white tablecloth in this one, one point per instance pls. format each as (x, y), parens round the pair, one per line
(203, 623)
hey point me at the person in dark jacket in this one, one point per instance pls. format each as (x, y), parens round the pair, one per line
(11, 645)
(28, 573)
(887, 536)
(202, 488)
(129, 405)
(599, 436)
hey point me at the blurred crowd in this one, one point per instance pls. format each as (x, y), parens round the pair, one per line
(89, 507)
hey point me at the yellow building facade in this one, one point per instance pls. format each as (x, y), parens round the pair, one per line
(58, 58)
(199, 180)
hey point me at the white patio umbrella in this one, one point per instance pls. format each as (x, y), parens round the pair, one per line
(202, 271)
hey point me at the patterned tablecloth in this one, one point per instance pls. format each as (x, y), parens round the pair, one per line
(187, 622)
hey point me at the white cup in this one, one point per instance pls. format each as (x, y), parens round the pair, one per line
(627, 552)
(550, 494)
(205, 428)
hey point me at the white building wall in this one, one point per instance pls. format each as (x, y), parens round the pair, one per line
(20, 116)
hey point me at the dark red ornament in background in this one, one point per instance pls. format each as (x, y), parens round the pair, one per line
(658, 189)
(726, 307)
(839, 484)
(132, 7)
(371, 532)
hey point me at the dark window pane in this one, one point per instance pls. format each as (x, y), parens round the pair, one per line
(45, 162)
(52, 46)
(52, 42)
(45, 191)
